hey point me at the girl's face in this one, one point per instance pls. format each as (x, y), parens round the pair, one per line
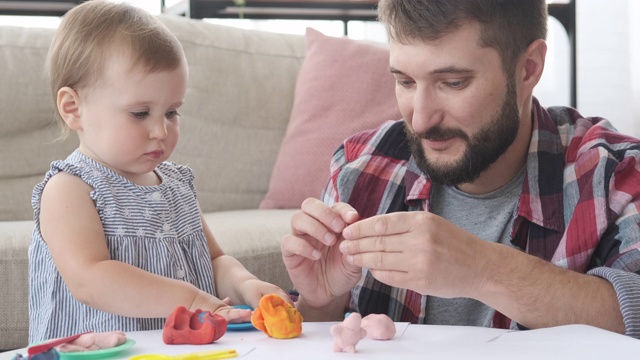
(129, 119)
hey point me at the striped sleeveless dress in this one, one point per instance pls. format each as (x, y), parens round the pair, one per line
(155, 228)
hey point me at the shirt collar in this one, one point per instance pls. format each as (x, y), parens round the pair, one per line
(418, 184)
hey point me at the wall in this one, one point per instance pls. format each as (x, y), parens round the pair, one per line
(554, 87)
(634, 62)
(607, 46)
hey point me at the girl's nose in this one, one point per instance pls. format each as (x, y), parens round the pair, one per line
(158, 129)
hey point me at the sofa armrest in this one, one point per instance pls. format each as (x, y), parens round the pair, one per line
(15, 237)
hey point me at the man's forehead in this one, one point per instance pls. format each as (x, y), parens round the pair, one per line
(466, 30)
(457, 51)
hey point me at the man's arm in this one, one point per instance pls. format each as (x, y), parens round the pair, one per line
(538, 294)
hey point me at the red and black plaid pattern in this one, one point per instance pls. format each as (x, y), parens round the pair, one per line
(578, 208)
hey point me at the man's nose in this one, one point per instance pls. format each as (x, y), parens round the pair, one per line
(427, 110)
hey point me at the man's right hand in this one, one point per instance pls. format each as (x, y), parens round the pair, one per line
(311, 254)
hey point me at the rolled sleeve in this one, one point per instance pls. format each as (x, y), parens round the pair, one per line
(627, 287)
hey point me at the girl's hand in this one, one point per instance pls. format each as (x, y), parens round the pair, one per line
(233, 315)
(252, 290)
(208, 302)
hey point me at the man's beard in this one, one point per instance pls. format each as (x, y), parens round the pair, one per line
(483, 148)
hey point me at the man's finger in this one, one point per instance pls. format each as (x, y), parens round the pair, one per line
(304, 224)
(348, 214)
(323, 213)
(389, 243)
(380, 225)
(397, 279)
(295, 246)
(380, 261)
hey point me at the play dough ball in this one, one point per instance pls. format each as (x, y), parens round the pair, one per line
(277, 318)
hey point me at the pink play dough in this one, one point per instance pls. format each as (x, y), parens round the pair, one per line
(347, 334)
(94, 341)
(379, 326)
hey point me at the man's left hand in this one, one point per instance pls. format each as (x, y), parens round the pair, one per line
(419, 251)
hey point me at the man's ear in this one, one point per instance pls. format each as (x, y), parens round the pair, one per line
(68, 103)
(531, 65)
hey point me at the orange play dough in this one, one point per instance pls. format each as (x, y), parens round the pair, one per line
(277, 318)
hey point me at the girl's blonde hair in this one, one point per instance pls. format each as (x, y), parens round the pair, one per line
(92, 33)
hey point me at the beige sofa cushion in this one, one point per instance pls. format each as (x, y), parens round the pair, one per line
(253, 237)
(26, 116)
(237, 108)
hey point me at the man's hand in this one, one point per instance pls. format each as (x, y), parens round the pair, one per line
(427, 254)
(419, 251)
(311, 255)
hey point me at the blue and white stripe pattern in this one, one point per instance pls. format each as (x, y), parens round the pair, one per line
(155, 228)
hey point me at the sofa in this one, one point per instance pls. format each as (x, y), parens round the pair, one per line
(244, 89)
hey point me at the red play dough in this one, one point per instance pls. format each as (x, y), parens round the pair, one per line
(196, 328)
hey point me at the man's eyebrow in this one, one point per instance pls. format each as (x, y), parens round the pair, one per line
(452, 70)
(444, 70)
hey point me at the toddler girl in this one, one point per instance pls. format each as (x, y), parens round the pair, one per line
(119, 239)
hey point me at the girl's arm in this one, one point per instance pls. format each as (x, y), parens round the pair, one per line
(233, 280)
(72, 229)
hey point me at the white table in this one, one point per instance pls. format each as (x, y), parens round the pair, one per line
(411, 341)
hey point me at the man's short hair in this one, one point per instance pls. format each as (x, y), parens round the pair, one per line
(509, 26)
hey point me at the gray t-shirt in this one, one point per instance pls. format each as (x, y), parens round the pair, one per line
(490, 218)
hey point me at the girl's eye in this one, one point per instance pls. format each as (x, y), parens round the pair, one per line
(172, 114)
(140, 114)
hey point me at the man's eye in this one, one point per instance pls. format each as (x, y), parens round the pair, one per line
(455, 84)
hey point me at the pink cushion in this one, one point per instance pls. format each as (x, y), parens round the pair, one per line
(343, 87)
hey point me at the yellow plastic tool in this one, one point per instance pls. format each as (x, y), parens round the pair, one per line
(203, 355)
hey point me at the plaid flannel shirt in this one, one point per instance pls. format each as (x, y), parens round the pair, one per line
(578, 209)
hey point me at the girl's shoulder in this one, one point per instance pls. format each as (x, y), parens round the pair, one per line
(176, 171)
(64, 174)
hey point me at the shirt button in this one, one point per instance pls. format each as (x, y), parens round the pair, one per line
(156, 196)
(180, 274)
(166, 227)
